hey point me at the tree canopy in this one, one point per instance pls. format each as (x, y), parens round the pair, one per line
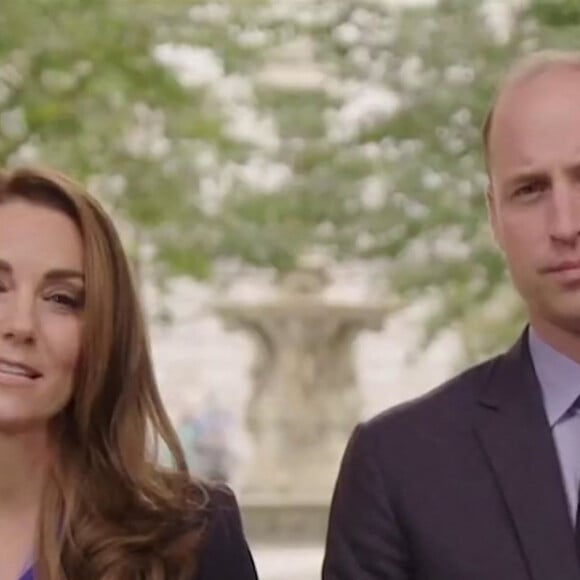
(255, 131)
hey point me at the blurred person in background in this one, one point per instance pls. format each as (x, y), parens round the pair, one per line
(479, 479)
(82, 494)
(213, 441)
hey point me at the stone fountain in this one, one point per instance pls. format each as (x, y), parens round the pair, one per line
(304, 403)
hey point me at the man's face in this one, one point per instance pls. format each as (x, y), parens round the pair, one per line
(534, 200)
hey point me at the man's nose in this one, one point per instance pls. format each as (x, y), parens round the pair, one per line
(17, 321)
(565, 223)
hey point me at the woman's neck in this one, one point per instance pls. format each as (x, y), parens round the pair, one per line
(23, 466)
(24, 459)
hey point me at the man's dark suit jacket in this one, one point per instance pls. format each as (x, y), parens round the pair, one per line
(462, 484)
(226, 555)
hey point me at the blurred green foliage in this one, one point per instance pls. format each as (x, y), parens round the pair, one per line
(347, 127)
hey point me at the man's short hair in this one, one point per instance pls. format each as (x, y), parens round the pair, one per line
(524, 69)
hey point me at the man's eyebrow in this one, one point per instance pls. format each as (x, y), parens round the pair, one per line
(525, 176)
(51, 275)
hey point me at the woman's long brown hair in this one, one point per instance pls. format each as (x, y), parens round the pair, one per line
(110, 510)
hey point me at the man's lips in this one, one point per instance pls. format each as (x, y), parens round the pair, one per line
(565, 266)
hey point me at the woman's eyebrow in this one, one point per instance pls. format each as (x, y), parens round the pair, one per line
(62, 273)
(51, 275)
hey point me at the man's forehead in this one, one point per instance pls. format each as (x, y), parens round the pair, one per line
(555, 80)
(533, 98)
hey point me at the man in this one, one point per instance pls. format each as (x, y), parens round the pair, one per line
(478, 480)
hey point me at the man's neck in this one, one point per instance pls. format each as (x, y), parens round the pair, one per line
(565, 341)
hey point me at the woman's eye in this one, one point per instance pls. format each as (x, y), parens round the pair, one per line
(66, 301)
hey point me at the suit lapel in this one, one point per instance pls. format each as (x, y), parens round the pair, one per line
(515, 434)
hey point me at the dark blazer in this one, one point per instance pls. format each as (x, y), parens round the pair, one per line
(226, 555)
(462, 484)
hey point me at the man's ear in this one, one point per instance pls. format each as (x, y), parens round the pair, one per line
(491, 202)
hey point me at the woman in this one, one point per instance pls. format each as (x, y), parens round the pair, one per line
(81, 492)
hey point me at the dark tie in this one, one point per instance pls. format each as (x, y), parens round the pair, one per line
(576, 409)
(577, 530)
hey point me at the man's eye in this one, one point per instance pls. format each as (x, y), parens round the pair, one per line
(528, 189)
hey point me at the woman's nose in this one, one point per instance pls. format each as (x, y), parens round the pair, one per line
(17, 321)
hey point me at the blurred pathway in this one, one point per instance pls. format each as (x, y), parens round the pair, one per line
(288, 563)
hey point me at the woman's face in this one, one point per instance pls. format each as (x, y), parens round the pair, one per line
(41, 312)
